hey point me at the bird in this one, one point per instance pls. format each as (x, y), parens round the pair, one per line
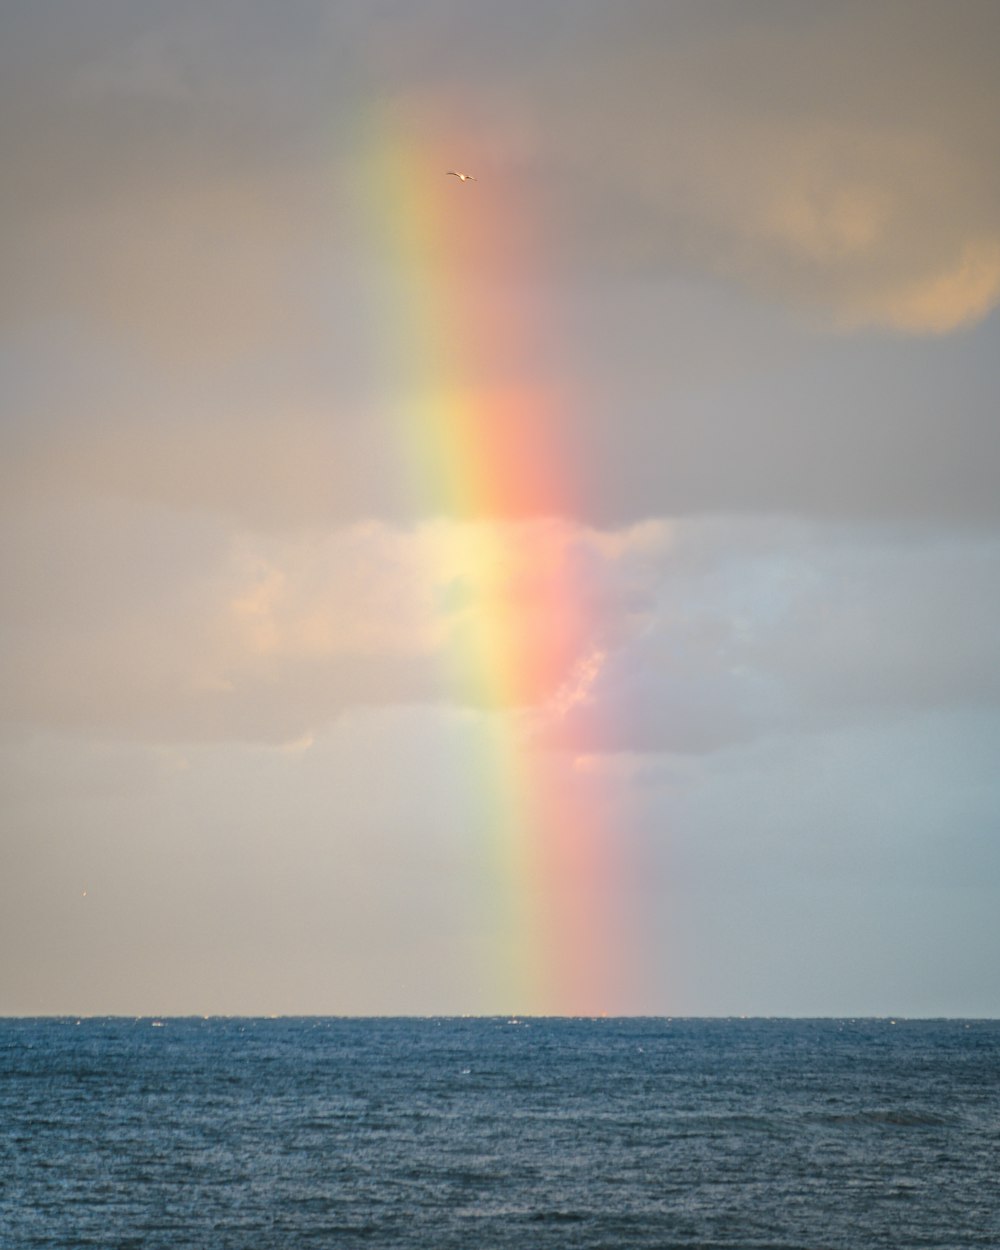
(453, 173)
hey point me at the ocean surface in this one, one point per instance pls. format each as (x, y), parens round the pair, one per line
(494, 1133)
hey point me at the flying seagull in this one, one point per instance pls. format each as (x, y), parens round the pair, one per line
(453, 173)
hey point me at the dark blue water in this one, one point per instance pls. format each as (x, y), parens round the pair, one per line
(488, 1133)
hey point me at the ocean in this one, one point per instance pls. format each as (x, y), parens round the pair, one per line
(482, 1134)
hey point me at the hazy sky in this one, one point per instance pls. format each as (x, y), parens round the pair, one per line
(750, 253)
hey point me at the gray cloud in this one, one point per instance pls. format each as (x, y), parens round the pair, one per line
(774, 629)
(198, 213)
(834, 157)
(840, 159)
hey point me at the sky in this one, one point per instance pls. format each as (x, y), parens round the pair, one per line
(569, 591)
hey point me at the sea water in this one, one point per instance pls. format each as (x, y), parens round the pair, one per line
(492, 1133)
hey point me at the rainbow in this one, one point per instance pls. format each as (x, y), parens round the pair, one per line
(487, 445)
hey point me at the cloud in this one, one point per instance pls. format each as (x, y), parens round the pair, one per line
(834, 159)
(201, 377)
(171, 180)
(680, 636)
(201, 311)
(777, 628)
(135, 622)
(963, 293)
(168, 630)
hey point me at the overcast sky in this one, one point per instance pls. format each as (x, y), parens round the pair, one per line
(724, 294)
